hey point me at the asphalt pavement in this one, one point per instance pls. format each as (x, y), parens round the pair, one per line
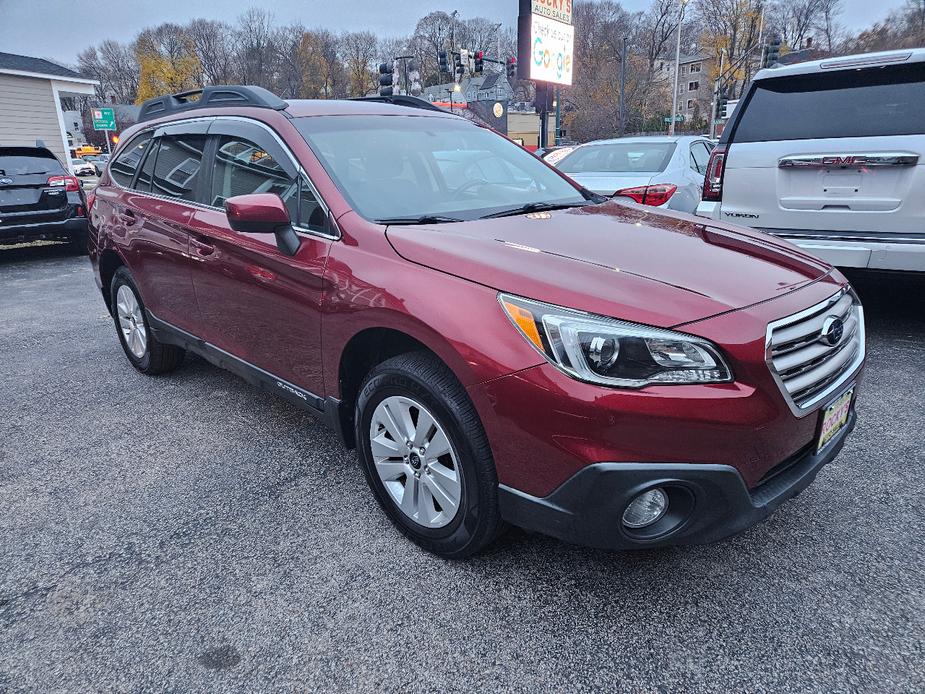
(189, 533)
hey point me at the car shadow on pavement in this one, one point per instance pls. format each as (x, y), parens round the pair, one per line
(37, 251)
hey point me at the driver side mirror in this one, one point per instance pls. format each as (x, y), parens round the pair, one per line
(263, 213)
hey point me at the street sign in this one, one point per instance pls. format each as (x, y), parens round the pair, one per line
(104, 119)
(679, 118)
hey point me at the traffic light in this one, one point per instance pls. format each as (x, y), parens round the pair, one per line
(771, 53)
(414, 78)
(443, 61)
(721, 100)
(479, 62)
(387, 81)
(458, 69)
(511, 69)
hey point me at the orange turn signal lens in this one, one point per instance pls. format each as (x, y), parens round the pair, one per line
(524, 320)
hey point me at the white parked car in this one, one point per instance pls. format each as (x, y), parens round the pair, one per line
(829, 154)
(661, 171)
(83, 168)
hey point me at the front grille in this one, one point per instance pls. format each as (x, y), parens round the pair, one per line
(806, 364)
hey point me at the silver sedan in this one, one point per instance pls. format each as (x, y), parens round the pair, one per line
(661, 171)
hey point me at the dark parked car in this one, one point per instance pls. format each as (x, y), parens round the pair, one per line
(499, 344)
(39, 199)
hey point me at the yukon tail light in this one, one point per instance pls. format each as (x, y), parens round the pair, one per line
(713, 178)
(70, 183)
(655, 195)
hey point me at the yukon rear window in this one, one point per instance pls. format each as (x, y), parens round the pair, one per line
(848, 103)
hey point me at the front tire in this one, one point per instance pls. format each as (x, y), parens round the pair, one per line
(426, 457)
(143, 350)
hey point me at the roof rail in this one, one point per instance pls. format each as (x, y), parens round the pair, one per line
(402, 100)
(210, 97)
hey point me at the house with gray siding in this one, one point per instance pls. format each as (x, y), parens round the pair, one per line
(30, 102)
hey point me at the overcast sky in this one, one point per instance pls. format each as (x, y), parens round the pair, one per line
(59, 29)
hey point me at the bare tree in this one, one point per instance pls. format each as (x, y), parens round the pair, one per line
(214, 44)
(288, 77)
(255, 52)
(433, 33)
(794, 19)
(359, 51)
(115, 66)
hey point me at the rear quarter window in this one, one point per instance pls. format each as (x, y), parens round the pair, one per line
(122, 170)
(848, 103)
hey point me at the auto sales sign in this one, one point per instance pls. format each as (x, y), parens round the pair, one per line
(545, 41)
(560, 10)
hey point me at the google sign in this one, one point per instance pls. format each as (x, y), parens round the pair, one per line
(551, 49)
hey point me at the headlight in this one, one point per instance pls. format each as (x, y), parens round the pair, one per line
(612, 352)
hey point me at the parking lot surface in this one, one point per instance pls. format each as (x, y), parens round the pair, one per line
(188, 532)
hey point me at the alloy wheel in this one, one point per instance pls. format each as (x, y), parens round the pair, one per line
(415, 461)
(131, 321)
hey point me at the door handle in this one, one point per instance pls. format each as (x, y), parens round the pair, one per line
(127, 217)
(203, 248)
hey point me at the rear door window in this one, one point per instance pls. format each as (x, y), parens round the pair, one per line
(124, 166)
(849, 103)
(176, 169)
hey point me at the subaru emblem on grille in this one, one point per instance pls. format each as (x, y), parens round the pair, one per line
(832, 330)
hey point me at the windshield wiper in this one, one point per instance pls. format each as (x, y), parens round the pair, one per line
(533, 207)
(422, 219)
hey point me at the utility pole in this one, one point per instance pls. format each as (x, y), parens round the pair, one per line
(677, 69)
(623, 89)
(717, 88)
(558, 116)
(498, 40)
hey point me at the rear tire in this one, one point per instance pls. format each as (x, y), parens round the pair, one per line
(143, 350)
(453, 507)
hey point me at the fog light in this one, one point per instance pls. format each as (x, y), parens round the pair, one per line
(645, 509)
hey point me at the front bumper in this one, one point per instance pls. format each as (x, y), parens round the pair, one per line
(706, 502)
(845, 249)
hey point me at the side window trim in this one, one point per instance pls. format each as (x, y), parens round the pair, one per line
(205, 124)
(141, 162)
(150, 150)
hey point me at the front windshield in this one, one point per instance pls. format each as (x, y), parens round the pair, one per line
(619, 157)
(393, 167)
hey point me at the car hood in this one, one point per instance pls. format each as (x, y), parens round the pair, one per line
(657, 268)
(608, 183)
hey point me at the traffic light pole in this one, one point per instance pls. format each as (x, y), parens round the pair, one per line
(558, 116)
(717, 90)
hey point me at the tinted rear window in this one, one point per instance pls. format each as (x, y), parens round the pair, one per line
(619, 157)
(848, 103)
(16, 161)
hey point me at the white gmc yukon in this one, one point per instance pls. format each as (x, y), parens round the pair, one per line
(830, 155)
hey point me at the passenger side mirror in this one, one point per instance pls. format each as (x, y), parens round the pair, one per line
(263, 213)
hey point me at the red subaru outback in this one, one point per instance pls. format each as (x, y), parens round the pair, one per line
(499, 344)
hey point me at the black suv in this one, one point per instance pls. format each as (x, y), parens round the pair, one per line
(39, 199)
